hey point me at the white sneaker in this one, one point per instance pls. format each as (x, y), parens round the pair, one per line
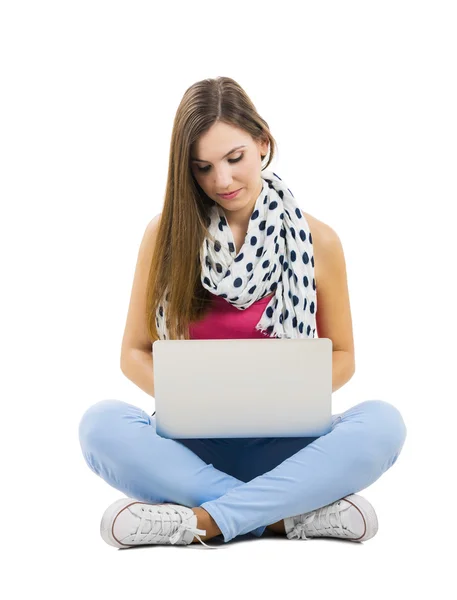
(352, 518)
(128, 522)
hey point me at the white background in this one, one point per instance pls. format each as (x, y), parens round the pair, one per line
(361, 98)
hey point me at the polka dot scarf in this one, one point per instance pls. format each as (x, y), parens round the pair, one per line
(277, 256)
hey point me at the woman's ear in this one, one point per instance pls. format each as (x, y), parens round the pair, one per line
(264, 148)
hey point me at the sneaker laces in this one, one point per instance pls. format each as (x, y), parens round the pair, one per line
(169, 525)
(317, 523)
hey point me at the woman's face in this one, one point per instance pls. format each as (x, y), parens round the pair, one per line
(217, 171)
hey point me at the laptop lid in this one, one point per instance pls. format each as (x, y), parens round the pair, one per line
(243, 388)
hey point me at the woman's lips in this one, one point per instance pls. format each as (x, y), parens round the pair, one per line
(229, 196)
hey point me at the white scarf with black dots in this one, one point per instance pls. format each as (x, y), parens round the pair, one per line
(277, 256)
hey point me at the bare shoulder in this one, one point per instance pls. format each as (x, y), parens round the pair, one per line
(325, 243)
(153, 225)
(333, 316)
(322, 233)
(149, 238)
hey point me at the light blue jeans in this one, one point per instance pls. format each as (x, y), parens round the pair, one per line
(245, 484)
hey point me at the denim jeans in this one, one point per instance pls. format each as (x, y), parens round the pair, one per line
(245, 484)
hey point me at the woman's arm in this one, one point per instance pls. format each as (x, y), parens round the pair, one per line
(137, 366)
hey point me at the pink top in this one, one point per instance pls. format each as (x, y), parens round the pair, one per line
(225, 321)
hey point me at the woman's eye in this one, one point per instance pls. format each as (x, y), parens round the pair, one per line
(231, 160)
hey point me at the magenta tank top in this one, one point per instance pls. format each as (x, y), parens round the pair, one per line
(225, 321)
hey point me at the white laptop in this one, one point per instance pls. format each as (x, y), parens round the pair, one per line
(243, 388)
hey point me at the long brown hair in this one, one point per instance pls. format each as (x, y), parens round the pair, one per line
(175, 265)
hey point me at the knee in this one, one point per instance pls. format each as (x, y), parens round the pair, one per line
(96, 422)
(386, 429)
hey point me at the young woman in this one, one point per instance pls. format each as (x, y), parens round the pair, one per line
(232, 255)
